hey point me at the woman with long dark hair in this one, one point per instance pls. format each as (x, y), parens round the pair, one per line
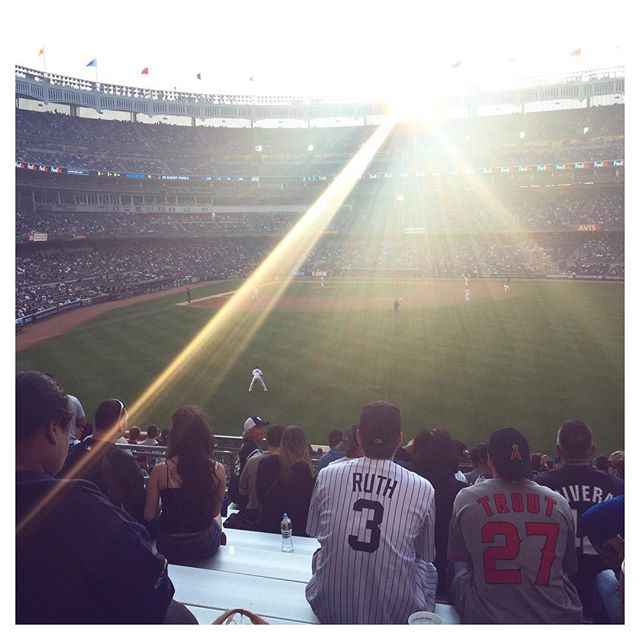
(284, 483)
(435, 457)
(191, 486)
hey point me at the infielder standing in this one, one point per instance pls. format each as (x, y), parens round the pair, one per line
(467, 295)
(257, 377)
(375, 524)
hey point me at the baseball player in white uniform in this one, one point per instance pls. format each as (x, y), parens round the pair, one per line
(256, 376)
(256, 293)
(467, 295)
(375, 524)
(322, 282)
(466, 281)
(512, 543)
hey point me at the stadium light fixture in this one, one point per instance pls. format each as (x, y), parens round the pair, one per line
(522, 135)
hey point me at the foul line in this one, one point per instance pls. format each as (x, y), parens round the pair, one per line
(224, 294)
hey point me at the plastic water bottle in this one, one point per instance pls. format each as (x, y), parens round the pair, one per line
(286, 529)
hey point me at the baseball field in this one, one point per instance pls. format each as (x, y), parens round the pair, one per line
(529, 358)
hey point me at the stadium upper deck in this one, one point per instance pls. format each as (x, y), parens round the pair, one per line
(587, 88)
(63, 144)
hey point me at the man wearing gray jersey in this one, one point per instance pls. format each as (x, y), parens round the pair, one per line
(513, 545)
(375, 524)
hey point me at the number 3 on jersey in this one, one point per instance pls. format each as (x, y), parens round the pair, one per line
(372, 523)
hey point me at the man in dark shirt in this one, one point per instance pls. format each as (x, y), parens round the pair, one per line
(583, 486)
(253, 433)
(79, 559)
(112, 469)
(335, 450)
(479, 461)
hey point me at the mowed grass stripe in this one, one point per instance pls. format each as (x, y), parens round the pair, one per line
(548, 351)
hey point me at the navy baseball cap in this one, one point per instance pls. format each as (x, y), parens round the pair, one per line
(509, 450)
(254, 421)
(380, 422)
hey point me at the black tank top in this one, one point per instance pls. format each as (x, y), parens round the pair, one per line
(177, 515)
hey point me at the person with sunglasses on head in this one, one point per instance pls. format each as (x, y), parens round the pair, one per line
(112, 469)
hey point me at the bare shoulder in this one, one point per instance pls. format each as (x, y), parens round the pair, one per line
(159, 470)
(156, 474)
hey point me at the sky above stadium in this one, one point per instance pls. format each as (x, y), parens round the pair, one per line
(368, 49)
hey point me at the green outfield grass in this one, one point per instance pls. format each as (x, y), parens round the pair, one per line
(546, 352)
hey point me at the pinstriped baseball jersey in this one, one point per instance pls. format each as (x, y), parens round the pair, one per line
(375, 524)
(518, 540)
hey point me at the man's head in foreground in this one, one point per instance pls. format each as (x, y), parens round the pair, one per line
(42, 423)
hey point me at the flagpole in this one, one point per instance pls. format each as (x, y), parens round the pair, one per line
(43, 53)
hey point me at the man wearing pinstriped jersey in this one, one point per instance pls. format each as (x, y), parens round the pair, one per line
(375, 524)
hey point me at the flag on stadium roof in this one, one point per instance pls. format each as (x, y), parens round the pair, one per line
(145, 71)
(93, 63)
(576, 52)
(456, 64)
(41, 52)
(199, 75)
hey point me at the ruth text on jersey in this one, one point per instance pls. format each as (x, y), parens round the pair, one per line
(366, 481)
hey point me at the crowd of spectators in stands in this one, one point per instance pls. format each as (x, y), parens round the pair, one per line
(444, 525)
(46, 279)
(80, 225)
(565, 136)
(52, 278)
(363, 214)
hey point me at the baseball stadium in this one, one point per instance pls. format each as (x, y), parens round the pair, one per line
(337, 288)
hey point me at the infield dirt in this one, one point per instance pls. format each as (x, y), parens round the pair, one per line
(416, 295)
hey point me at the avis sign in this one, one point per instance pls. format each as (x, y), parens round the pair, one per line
(587, 227)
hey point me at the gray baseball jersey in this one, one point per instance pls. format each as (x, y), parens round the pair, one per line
(518, 542)
(375, 524)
